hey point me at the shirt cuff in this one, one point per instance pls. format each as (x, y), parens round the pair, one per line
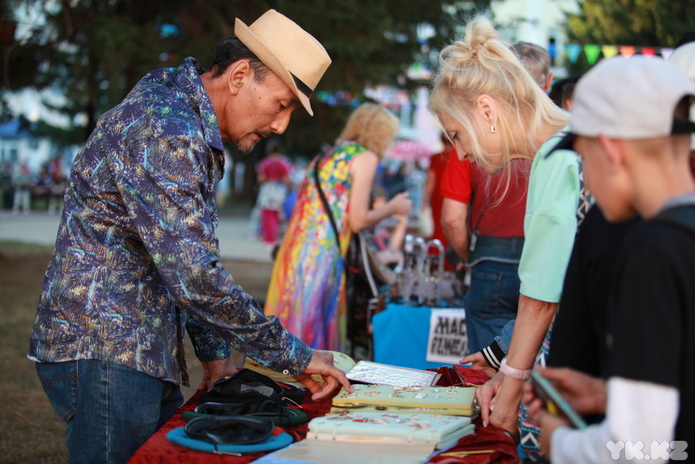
(493, 355)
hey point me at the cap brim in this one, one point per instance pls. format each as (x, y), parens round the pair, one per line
(682, 126)
(566, 143)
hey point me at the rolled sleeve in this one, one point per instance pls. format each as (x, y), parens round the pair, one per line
(550, 224)
(456, 180)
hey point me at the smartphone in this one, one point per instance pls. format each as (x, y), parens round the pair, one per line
(554, 402)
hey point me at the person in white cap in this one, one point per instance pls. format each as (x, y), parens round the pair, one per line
(631, 124)
(137, 258)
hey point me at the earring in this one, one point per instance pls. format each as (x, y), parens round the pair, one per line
(493, 129)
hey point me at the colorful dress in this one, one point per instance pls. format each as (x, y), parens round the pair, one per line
(307, 287)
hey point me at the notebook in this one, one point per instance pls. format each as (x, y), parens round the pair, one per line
(370, 427)
(442, 400)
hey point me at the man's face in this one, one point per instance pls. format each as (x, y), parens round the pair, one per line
(260, 110)
(606, 182)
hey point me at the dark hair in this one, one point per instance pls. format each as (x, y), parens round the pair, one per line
(230, 50)
(568, 92)
(686, 38)
(557, 89)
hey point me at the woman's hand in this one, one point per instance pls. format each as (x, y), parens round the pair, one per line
(505, 407)
(400, 204)
(485, 394)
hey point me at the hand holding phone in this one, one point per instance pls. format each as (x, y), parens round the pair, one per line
(555, 404)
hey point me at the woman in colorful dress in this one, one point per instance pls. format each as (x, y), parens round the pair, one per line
(307, 287)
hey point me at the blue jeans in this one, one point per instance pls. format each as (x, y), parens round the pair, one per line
(491, 301)
(110, 410)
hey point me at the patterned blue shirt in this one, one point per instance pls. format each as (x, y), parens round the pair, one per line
(136, 253)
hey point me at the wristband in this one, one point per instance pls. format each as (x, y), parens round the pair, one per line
(519, 374)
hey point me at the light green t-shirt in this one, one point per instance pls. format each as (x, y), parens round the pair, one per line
(550, 223)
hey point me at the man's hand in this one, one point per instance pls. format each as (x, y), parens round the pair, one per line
(479, 363)
(584, 393)
(333, 378)
(545, 421)
(216, 370)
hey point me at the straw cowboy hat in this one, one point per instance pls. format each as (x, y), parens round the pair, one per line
(288, 50)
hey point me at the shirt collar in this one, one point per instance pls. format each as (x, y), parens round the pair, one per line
(187, 76)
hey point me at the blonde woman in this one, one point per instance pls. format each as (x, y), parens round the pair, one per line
(493, 112)
(307, 287)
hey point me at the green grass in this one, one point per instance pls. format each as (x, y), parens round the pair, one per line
(30, 431)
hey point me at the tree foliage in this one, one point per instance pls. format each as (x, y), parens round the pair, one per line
(94, 51)
(649, 23)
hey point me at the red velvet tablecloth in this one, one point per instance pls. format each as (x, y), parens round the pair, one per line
(486, 445)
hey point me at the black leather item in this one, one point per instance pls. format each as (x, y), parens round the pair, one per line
(247, 386)
(266, 407)
(229, 430)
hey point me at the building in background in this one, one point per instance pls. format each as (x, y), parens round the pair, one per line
(18, 145)
(541, 22)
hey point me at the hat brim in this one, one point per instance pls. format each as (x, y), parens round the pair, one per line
(270, 59)
(565, 143)
(179, 437)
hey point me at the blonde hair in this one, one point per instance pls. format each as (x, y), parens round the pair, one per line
(372, 126)
(482, 64)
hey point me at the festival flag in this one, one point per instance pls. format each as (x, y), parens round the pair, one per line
(666, 52)
(648, 51)
(573, 51)
(609, 51)
(592, 51)
(627, 50)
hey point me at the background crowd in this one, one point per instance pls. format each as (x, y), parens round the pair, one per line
(22, 188)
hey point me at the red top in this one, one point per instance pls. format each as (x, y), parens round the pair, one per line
(275, 168)
(498, 202)
(437, 164)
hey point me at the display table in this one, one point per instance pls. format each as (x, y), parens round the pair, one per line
(486, 445)
(401, 334)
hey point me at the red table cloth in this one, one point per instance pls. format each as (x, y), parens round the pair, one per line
(487, 445)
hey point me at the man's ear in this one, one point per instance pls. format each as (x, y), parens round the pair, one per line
(236, 75)
(488, 109)
(615, 153)
(548, 82)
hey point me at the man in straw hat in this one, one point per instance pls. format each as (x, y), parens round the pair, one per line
(137, 258)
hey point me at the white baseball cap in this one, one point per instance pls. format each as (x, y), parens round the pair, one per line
(629, 98)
